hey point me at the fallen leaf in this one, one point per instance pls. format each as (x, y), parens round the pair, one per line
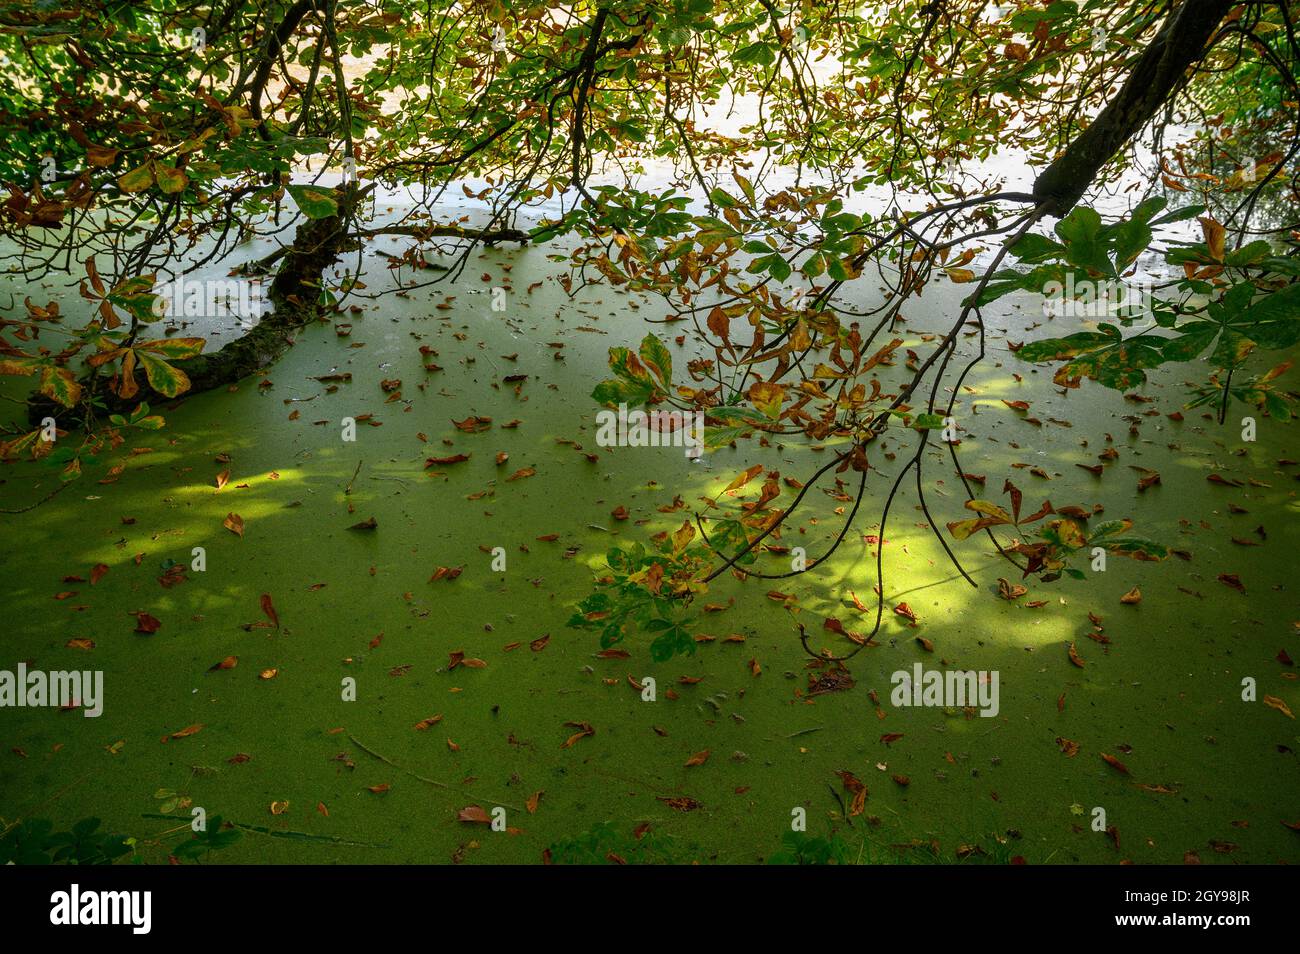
(474, 815)
(1115, 763)
(585, 729)
(1273, 702)
(1232, 580)
(269, 609)
(1010, 591)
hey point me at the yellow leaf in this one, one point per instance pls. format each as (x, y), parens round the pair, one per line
(1273, 702)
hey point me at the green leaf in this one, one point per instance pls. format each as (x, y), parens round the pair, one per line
(163, 378)
(1131, 240)
(137, 180)
(170, 179)
(1179, 215)
(1080, 230)
(616, 391)
(655, 356)
(174, 348)
(315, 202)
(1274, 320)
(61, 385)
(1034, 248)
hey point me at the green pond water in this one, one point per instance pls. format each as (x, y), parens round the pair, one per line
(1163, 696)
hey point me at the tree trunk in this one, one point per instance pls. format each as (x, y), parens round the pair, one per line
(1159, 73)
(293, 295)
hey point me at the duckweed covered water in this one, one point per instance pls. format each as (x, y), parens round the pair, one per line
(336, 781)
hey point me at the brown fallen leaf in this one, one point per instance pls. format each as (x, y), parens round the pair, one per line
(1010, 591)
(97, 572)
(680, 803)
(230, 662)
(187, 731)
(474, 815)
(1232, 580)
(268, 608)
(1132, 597)
(472, 425)
(144, 623)
(585, 729)
(1115, 763)
(699, 758)
(235, 524)
(458, 658)
(1075, 657)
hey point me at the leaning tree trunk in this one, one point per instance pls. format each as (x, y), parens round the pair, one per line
(293, 295)
(1158, 74)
